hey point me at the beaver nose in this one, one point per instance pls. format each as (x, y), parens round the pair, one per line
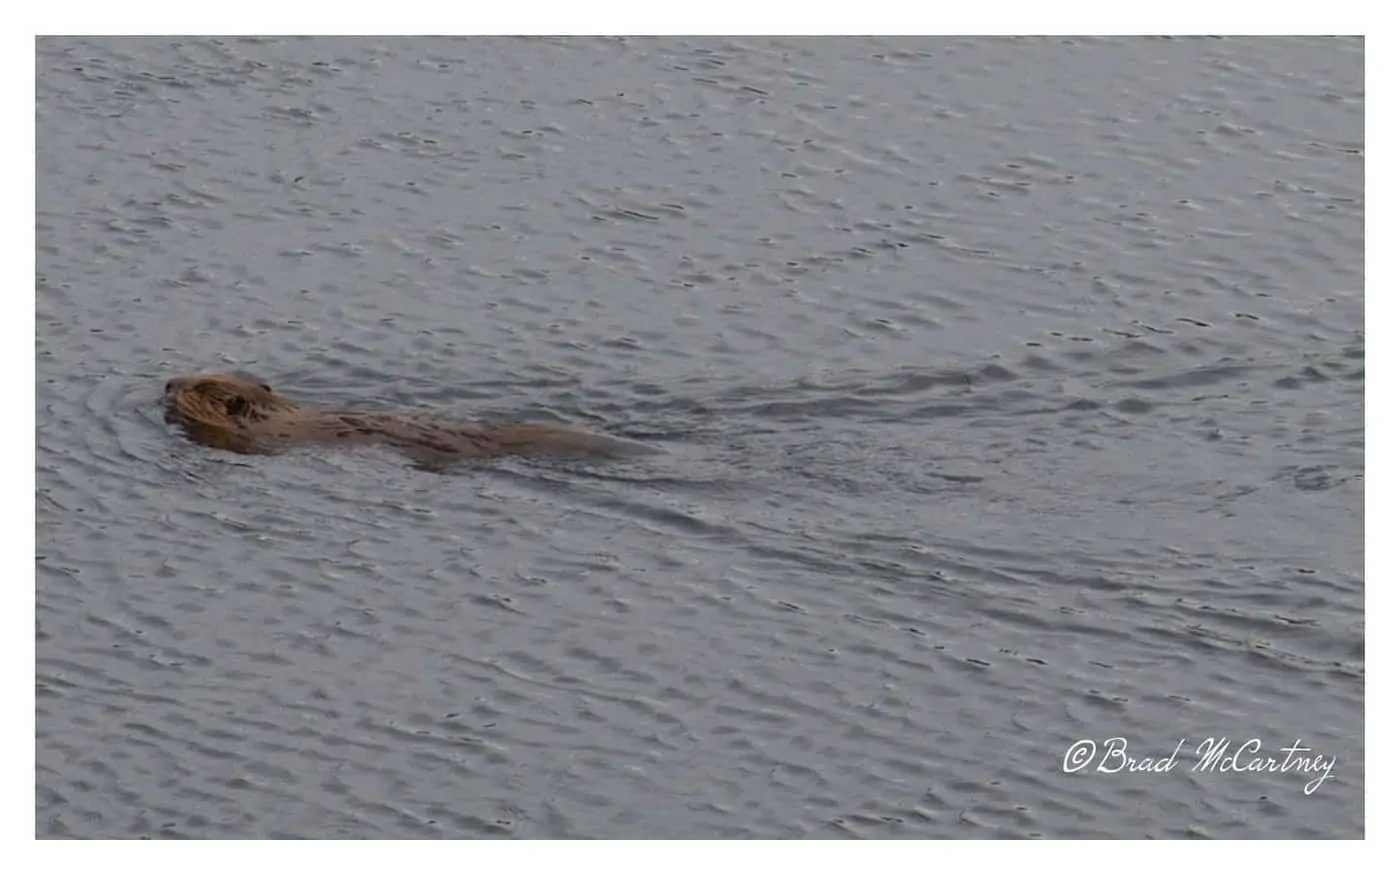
(169, 385)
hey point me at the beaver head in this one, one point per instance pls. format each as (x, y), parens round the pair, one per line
(224, 411)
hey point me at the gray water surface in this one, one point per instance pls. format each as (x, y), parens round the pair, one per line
(1011, 394)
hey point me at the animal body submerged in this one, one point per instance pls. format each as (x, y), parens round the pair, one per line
(245, 416)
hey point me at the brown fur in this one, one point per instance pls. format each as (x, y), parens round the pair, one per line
(244, 416)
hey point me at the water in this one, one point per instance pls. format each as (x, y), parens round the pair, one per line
(1011, 394)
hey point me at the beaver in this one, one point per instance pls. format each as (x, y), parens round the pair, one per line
(245, 416)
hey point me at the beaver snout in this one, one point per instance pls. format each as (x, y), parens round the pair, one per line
(167, 400)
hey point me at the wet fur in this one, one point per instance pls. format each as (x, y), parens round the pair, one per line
(245, 416)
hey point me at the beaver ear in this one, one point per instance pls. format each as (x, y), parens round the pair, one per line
(237, 406)
(266, 388)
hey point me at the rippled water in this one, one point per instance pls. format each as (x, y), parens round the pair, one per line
(1011, 393)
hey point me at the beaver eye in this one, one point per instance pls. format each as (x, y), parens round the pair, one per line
(266, 388)
(236, 406)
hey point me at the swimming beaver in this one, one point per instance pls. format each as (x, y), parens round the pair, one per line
(245, 416)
